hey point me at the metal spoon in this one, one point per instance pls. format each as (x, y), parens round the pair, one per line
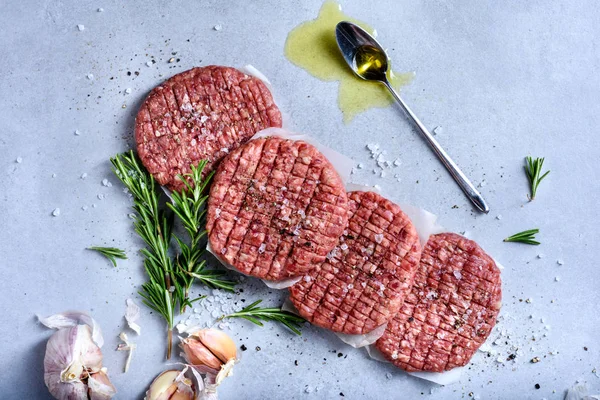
(369, 61)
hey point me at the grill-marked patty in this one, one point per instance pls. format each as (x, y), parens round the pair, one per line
(276, 208)
(450, 311)
(366, 277)
(203, 113)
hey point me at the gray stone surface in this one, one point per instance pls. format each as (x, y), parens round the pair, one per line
(503, 79)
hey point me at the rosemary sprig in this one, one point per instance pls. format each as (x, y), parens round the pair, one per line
(255, 314)
(162, 292)
(189, 207)
(533, 169)
(112, 253)
(526, 237)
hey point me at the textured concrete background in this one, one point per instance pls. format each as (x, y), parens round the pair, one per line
(503, 79)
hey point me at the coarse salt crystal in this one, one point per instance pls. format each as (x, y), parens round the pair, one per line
(101, 9)
(382, 174)
(218, 27)
(457, 274)
(149, 63)
(388, 375)
(90, 77)
(560, 262)
(56, 212)
(395, 355)
(54, 175)
(540, 256)
(556, 279)
(19, 160)
(438, 130)
(374, 171)
(397, 162)
(224, 250)
(81, 27)
(376, 187)
(128, 90)
(344, 246)
(261, 248)
(498, 217)
(100, 196)
(360, 166)
(214, 314)
(106, 183)
(372, 147)
(217, 212)
(379, 238)
(350, 286)
(84, 208)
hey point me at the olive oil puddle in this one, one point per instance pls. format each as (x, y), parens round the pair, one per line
(312, 46)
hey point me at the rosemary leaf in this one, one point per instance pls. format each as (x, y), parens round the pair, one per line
(533, 169)
(112, 253)
(189, 206)
(162, 292)
(255, 314)
(526, 237)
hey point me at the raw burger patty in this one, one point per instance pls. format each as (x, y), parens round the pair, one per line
(203, 113)
(276, 208)
(450, 311)
(366, 277)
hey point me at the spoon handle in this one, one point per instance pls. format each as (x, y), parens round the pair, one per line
(460, 178)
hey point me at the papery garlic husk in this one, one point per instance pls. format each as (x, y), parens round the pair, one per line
(211, 351)
(73, 361)
(171, 385)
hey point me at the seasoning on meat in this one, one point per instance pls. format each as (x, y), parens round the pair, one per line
(366, 277)
(276, 208)
(203, 113)
(450, 311)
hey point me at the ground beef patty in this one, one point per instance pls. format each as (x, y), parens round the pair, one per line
(276, 208)
(203, 113)
(366, 277)
(450, 311)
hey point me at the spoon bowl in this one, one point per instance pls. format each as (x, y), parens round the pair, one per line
(362, 52)
(369, 61)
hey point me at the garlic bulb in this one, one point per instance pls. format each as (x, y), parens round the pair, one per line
(171, 385)
(211, 351)
(73, 361)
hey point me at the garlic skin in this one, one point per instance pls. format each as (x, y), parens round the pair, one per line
(73, 360)
(171, 385)
(212, 352)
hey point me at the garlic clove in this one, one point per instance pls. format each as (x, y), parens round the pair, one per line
(99, 386)
(197, 354)
(171, 385)
(219, 343)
